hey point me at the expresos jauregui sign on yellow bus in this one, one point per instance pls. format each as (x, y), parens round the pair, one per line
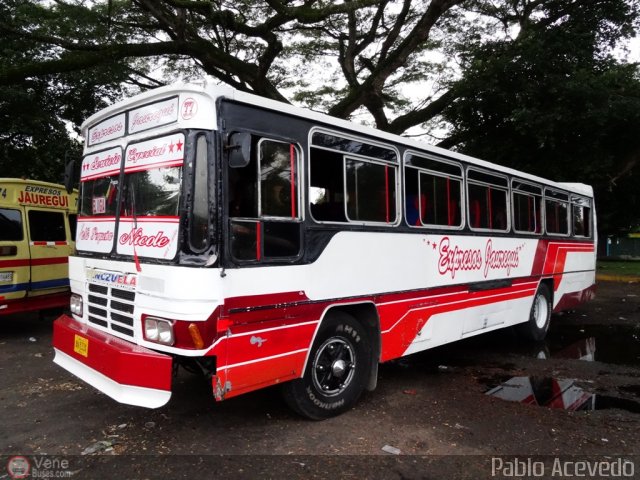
(37, 231)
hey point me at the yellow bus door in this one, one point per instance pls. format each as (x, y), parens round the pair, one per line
(14, 255)
(50, 248)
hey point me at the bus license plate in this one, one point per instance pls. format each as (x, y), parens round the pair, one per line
(81, 346)
(6, 276)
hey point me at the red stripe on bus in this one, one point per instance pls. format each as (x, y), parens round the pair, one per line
(14, 263)
(95, 176)
(96, 219)
(165, 164)
(159, 218)
(36, 262)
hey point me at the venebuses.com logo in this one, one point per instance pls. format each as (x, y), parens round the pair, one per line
(42, 466)
(18, 467)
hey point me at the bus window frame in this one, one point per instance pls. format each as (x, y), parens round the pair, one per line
(397, 192)
(260, 220)
(585, 203)
(540, 196)
(349, 157)
(23, 228)
(506, 189)
(549, 197)
(406, 164)
(298, 174)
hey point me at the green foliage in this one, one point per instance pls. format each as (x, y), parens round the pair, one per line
(40, 114)
(554, 101)
(532, 84)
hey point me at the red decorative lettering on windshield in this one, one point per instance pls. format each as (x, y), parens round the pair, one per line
(137, 237)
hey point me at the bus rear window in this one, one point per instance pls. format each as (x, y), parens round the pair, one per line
(46, 226)
(10, 225)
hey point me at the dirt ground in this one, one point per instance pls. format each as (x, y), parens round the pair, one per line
(431, 409)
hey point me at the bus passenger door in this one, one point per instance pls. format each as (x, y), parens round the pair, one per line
(50, 249)
(265, 228)
(14, 255)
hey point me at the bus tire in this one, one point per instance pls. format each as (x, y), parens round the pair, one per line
(537, 326)
(337, 370)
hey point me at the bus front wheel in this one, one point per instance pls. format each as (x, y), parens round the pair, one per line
(337, 369)
(540, 316)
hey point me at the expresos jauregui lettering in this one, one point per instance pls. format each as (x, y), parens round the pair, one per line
(454, 259)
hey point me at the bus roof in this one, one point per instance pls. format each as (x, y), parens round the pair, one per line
(23, 181)
(218, 91)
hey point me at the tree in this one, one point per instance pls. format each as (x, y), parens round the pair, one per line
(525, 83)
(554, 100)
(251, 45)
(40, 115)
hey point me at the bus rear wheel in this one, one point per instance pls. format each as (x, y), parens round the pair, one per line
(337, 369)
(537, 326)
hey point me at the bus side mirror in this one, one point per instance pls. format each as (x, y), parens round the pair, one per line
(239, 149)
(70, 175)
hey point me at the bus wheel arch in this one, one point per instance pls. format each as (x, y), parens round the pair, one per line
(340, 365)
(537, 325)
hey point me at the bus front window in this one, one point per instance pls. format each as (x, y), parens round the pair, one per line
(99, 197)
(154, 192)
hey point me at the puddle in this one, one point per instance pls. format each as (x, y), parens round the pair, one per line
(560, 394)
(616, 344)
(632, 389)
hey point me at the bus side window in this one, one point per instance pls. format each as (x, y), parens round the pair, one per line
(263, 203)
(475, 214)
(581, 225)
(10, 225)
(434, 190)
(327, 186)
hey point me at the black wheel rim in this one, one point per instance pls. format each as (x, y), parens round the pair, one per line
(334, 366)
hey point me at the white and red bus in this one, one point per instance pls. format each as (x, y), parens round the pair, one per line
(264, 244)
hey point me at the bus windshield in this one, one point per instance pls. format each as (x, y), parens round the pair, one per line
(154, 192)
(138, 213)
(99, 197)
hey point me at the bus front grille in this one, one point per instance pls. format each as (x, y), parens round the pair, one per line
(111, 308)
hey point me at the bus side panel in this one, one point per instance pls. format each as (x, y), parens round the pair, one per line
(572, 266)
(265, 347)
(434, 318)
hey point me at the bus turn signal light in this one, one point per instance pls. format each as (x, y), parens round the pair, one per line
(195, 336)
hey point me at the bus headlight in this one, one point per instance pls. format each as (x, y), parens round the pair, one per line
(75, 304)
(159, 330)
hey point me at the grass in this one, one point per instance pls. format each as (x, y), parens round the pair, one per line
(619, 267)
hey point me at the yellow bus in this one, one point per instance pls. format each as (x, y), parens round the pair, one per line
(37, 232)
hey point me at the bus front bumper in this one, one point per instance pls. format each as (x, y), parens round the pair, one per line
(124, 371)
